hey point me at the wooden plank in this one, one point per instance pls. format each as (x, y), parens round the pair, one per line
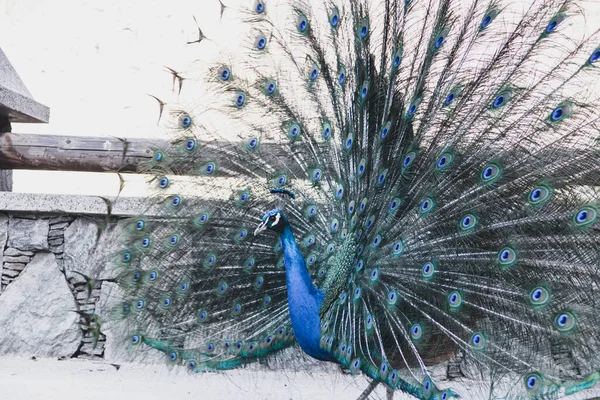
(73, 153)
(111, 154)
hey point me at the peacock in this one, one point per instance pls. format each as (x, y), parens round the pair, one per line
(387, 184)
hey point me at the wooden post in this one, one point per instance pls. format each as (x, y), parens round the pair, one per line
(6, 181)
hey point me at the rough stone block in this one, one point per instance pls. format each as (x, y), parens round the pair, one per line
(15, 266)
(87, 307)
(10, 273)
(10, 251)
(60, 226)
(34, 312)
(28, 234)
(89, 339)
(27, 216)
(90, 349)
(453, 371)
(55, 233)
(78, 286)
(16, 259)
(3, 236)
(83, 295)
(56, 242)
(81, 247)
(62, 218)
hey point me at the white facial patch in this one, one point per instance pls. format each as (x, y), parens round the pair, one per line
(277, 216)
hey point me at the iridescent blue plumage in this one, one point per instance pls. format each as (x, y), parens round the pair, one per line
(304, 298)
(437, 163)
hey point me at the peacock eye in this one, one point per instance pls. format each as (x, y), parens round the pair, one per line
(260, 41)
(191, 144)
(185, 121)
(272, 218)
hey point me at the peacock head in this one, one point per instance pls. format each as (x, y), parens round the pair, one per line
(273, 220)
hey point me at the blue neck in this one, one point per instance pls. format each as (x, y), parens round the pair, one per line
(304, 299)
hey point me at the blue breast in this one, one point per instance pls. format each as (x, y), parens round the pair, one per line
(304, 299)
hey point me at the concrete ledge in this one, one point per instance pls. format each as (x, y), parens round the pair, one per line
(19, 108)
(15, 100)
(67, 204)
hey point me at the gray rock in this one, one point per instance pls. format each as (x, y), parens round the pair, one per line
(55, 232)
(62, 218)
(11, 273)
(16, 259)
(83, 295)
(3, 231)
(90, 308)
(80, 243)
(34, 312)
(16, 252)
(60, 226)
(90, 349)
(453, 371)
(28, 234)
(26, 216)
(15, 266)
(56, 242)
(3, 238)
(84, 251)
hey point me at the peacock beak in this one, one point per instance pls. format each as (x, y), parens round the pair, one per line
(260, 228)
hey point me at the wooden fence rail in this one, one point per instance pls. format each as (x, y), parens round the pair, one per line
(111, 154)
(106, 154)
(73, 153)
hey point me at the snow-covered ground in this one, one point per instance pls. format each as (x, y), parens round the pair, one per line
(50, 379)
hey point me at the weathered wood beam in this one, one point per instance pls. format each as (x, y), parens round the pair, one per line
(111, 154)
(73, 153)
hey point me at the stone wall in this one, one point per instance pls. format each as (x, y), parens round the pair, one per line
(46, 303)
(48, 246)
(48, 307)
